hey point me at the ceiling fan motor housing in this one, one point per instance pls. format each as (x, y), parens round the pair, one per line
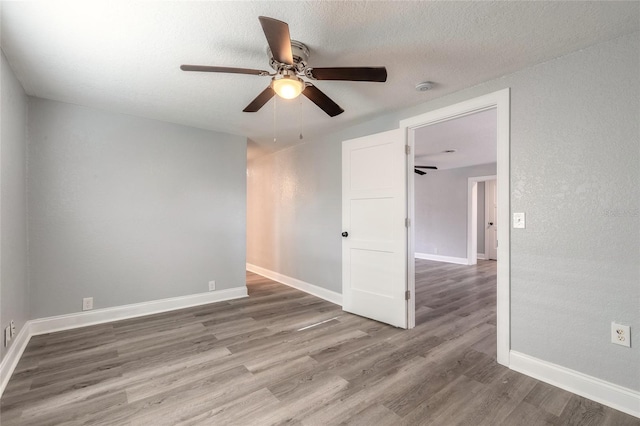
(300, 54)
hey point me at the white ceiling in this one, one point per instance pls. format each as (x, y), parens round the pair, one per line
(124, 56)
(473, 137)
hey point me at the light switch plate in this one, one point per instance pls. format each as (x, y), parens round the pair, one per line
(518, 220)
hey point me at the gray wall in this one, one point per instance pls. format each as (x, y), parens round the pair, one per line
(481, 220)
(575, 171)
(292, 203)
(14, 291)
(129, 210)
(575, 161)
(441, 210)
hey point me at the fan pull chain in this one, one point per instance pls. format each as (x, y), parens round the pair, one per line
(301, 117)
(275, 100)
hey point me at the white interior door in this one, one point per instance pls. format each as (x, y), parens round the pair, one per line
(491, 227)
(374, 243)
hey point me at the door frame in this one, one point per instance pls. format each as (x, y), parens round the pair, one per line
(472, 217)
(501, 101)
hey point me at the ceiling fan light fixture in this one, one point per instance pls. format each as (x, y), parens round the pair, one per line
(289, 60)
(287, 85)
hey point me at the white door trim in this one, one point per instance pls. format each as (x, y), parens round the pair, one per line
(501, 101)
(472, 217)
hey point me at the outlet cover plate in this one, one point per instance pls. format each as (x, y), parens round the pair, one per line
(212, 285)
(621, 334)
(87, 303)
(7, 335)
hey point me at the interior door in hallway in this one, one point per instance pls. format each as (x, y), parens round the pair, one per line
(374, 243)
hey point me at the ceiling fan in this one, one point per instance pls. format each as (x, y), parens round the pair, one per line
(289, 60)
(420, 172)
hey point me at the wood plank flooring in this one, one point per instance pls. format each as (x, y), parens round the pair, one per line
(253, 361)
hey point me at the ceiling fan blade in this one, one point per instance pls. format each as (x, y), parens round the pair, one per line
(277, 33)
(323, 101)
(426, 167)
(260, 100)
(204, 68)
(420, 172)
(378, 74)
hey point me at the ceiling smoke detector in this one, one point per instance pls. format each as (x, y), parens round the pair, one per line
(424, 86)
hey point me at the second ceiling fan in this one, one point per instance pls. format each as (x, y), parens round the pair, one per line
(420, 172)
(288, 58)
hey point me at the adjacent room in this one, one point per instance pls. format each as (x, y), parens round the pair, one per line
(453, 280)
(319, 212)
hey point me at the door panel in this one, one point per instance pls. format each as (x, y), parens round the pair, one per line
(372, 227)
(368, 273)
(374, 253)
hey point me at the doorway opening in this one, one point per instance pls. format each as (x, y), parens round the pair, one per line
(450, 230)
(482, 219)
(498, 104)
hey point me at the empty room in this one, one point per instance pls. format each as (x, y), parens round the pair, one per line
(319, 213)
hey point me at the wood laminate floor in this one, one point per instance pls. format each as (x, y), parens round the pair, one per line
(258, 361)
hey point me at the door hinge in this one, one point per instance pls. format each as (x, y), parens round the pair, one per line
(407, 149)
(407, 295)
(407, 222)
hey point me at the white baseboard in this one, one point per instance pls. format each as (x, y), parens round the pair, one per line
(100, 316)
(481, 256)
(323, 293)
(438, 258)
(612, 395)
(12, 356)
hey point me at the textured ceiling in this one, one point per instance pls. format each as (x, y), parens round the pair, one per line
(472, 137)
(125, 56)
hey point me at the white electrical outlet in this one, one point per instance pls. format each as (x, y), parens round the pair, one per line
(12, 324)
(87, 303)
(7, 335)
(212, 285)
(621, 334)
